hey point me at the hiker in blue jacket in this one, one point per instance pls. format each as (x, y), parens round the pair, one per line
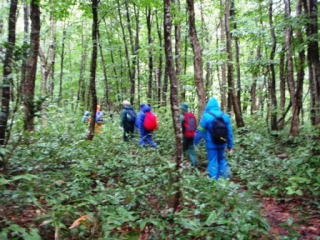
(145, 135)
(217, 164)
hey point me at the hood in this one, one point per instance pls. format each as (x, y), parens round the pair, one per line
(212, 105)
(142, 106)
(184, 107)
(146, 108)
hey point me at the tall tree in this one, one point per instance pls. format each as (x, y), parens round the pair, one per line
(294, 129)
(150, 52)
(311, 10)
(288, 48)
(159, 71)
(31, 66)
(231, 84)
(93, 67)
(64, 35)
(223, 85)
(26, 39)
(47, 61)
(177, 34)
(174, 97)
(7, 71)
(197, 51)
(272, 84)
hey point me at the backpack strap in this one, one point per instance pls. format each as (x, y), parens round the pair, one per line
(212, 114)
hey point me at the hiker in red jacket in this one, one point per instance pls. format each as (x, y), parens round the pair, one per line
(189, 127)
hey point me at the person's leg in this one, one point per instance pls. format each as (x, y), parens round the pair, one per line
(125, 135)
(149, 139)
(142, 141)
(224, 170)
(213, 163)
(191, 152)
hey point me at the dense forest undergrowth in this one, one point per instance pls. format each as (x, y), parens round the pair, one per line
(108, 189)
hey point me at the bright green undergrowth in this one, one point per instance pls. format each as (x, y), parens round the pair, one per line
(124, 189)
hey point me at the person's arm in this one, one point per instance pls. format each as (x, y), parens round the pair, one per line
(201, 132)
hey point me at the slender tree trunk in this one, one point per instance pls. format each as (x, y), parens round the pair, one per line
(137, 47)
(62, 61)
(197, 51)
(29, 83)
(283, 78)
(160, 59)
(165, 87)
(149, 27)
(231, 85)
(237, 48)
(81, 83)
(311, 10)
(125, 46)
(177, 34)
(288, 44)
(104, 68)
(295, 121)
(26, 38)
(93, 68)
(223, 89)
(47, 62)
(272, 85)
(7, 71)
(174, 97)
(134, 54)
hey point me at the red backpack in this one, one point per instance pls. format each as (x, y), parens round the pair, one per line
(189, 125)
(150, 122)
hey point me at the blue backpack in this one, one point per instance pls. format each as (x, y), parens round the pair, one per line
(219, 130)
(99, 117)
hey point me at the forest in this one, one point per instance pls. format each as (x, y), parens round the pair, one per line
(62, 178)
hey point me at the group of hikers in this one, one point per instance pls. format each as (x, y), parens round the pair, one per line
(214, 126)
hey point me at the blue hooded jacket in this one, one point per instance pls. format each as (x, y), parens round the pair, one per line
(205, 124)
(141, 115)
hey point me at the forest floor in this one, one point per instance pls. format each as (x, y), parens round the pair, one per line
(290, 218)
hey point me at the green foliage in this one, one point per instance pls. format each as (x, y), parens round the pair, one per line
(123, 188)
(277, 165)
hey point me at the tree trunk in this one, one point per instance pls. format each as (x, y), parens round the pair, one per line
(272, 84)
(311, 10)
(237, 47)
(7, 71)
(125, 48)
(134, 54)
(62, 61)
(283, 77)
(104, 68)
(93, 68)
(177, 34)
(137, 47)
(29, 83)
(174, 97)
(231, 85)
(81, 83)
(26, 38)
(165, 87)
(197, 51)
(148, 15)
(160, 60)
(223, 88)
(294, 129)
(288, 45)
